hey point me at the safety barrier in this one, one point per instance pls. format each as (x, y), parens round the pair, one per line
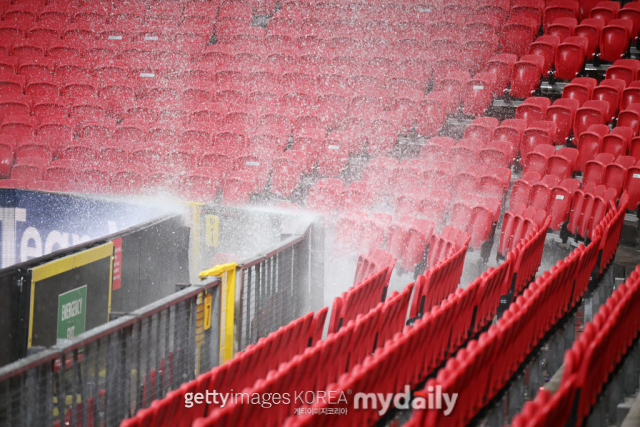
(117, 280)
(104, 375)
(241, 372)
(270, 289)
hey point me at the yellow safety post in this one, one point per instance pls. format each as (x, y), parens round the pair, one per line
(228, 299)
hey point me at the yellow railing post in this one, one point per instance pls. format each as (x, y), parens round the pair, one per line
(228, 299)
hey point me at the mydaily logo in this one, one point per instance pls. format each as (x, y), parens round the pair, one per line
(431, 398)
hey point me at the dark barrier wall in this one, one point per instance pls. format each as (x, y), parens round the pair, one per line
(149, 259)
(154, 258)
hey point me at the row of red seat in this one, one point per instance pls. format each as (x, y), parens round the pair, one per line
(548, 194)
(484, 366)
(412, 356)
(100, 13)
(567, 45)
(441, 278)
(373, 263)
(518, 223)
(315, 369)
(407, 238)
(597, 140)
(360, 298)
(497, 354)
(588, 364)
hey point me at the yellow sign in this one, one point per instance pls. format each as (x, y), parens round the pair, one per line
(207, 311)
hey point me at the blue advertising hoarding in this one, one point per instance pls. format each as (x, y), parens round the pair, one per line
(36, 223)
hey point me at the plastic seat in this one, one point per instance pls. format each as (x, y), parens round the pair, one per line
(12, 32)
(624, 69)
(538, 158)
(501, 66)
(580, 88)
(562, 113)
(6, 159)
(481, 128)
(60, 172)
(591, 29)
(539, 132)
(559, 206)
(18, 127)
(127, 182)
(33, 67)
(545, 46)
(526, 75)
(14, 105)
(590, 144)
(615, 39)
(562, 164)
(55, 15)
(614, 177)
(630, 117)
(562, 28)
(515, 37)
(618, 141)
(632, 13)
(594, 170)
(591, 113)
(533, 109)
(605, 10)
(570, 57)
(28, 172)
(634, 148)
(478, 94)
(632, 186)
(610, 90)
(541, 192)
(558, 9)
(630, 95)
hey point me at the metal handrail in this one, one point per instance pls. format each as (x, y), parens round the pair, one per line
(55, 352)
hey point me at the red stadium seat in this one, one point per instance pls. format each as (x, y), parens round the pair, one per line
(501, 66)
(562, 113)
(615, 39)
(562, 28)
(545, 46)
(631, 12)
(580, 88)
(591, 113)
(526, 75)
(618, 141)
(610, 90)
(630, 117)
(570, 57)
(624, 69)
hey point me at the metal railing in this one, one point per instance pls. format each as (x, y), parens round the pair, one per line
(105, 375)
(274, 289)
(267, 290)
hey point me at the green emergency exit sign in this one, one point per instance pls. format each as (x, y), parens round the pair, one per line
(72, 312)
